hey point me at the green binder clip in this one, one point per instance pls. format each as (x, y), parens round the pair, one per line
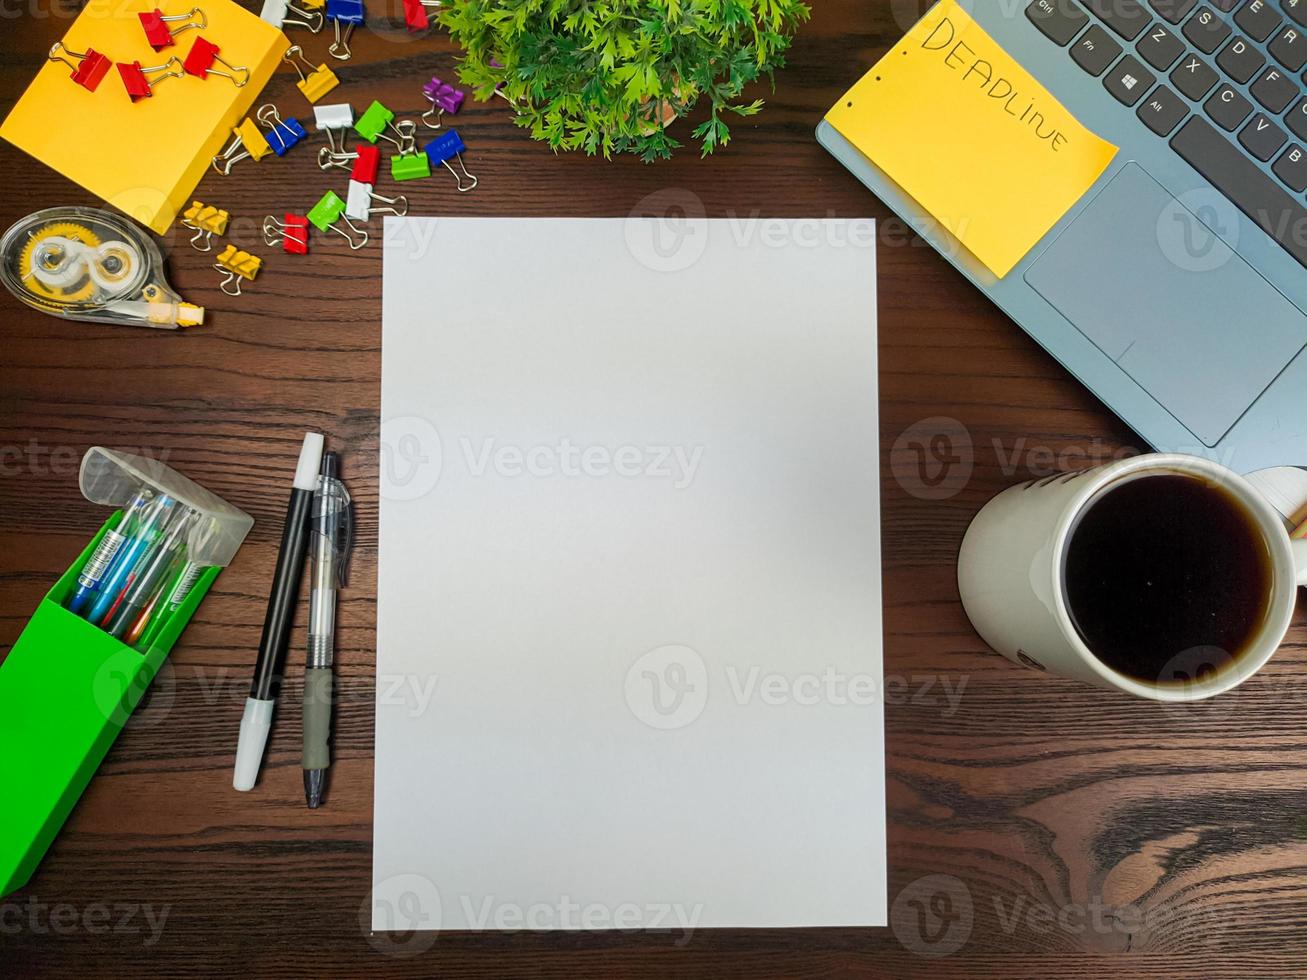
(331, 209)
(410, 166)
(375, 122)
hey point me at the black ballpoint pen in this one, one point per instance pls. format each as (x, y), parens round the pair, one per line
(257, 720)
(329, 548)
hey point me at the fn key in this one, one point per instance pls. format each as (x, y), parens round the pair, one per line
(1162, 111)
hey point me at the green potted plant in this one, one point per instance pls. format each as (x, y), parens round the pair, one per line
(608, 76)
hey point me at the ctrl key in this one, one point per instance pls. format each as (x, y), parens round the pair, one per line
(1057, 20)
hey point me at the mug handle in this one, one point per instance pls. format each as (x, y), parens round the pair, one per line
(1300, 559)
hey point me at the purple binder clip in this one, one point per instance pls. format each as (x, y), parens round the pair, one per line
(449, 146)
(443, 98)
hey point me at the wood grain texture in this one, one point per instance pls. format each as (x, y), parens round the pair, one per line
(1086, 833)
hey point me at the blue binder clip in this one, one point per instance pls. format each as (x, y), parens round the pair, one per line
(446, 147)
(349, 13)
(282, 134)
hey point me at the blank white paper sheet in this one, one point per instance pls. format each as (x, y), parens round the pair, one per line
(629, 595)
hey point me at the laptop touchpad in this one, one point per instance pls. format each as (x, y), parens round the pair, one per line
(1180, 312)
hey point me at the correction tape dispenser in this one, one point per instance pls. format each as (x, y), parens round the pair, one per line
(86, 264)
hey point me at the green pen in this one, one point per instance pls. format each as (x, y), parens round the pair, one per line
(178, 588)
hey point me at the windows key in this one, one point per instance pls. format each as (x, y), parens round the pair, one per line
(1128, 80)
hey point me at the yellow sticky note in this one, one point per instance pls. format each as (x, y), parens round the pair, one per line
(972, 137)
(143, 158)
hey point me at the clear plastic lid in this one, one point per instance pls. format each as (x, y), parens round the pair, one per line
(113, 478)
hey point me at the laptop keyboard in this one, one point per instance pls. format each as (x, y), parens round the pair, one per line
(1219, 79)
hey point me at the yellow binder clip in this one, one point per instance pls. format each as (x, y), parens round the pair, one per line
(247, 140)
(316, 82)
(206, 221)
(238, 265)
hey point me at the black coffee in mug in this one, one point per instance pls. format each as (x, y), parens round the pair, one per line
(1166, 569)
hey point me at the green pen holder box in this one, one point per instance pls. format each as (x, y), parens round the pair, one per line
(67, 688)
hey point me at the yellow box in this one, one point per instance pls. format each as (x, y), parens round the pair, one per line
(144, 158)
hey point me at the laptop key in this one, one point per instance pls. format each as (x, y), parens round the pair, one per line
(1095, 51)
(1228, 108)
(1173, 11)
(1258, 19)
(1240, 60)
(1205, 30)
(1194, 77)
(1261, 137)
(1057, 20)
(1127, 17)
(1292, 168)
(1225, 6)
(1273, 90)
(1297, 120)
(1128, 80)
(1162, 111)
(1230, 171)
(1159, 47)
(1289, 48)
(1297, 11)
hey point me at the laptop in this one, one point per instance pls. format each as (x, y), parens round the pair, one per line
(1176, 288)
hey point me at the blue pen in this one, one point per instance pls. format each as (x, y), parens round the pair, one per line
(156, 518)
(97, 566)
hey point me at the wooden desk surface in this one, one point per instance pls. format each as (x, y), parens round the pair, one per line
(1077, 831)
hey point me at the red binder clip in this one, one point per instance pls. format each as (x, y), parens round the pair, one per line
(292, 236)
(160, 35)
(367, 164)
(137, 81)
(202, 58)
(415, 14)
(91, 66)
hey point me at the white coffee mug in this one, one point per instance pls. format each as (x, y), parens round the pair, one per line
(1010, 574)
